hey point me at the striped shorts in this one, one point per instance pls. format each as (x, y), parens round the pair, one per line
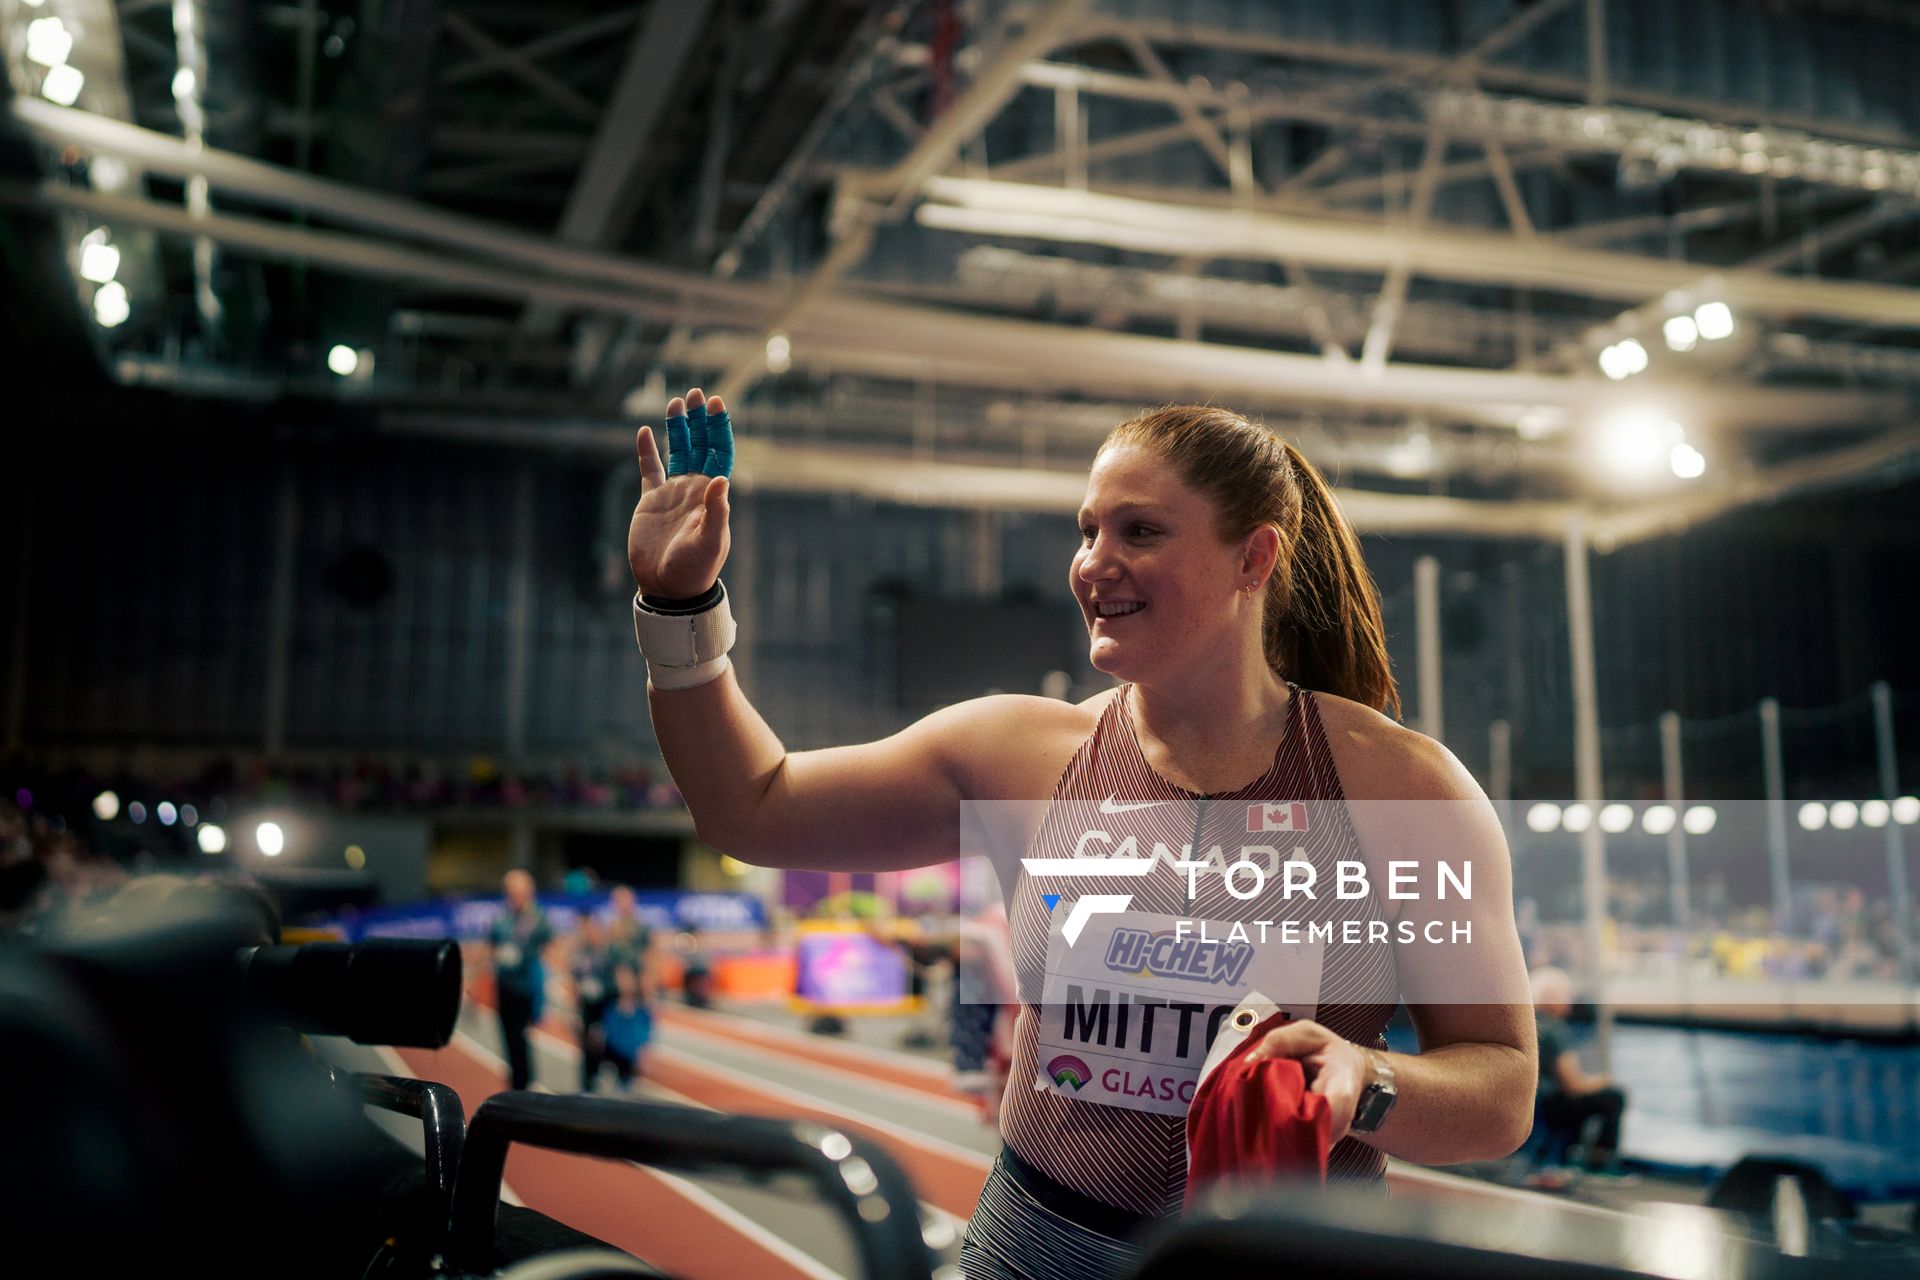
(1014, 1237)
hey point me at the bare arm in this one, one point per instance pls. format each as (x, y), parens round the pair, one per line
(1468, 1093)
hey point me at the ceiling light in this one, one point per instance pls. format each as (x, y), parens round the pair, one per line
(63, 85)
(343, 360)
(185, 82)
(1714, 320)
(48, 42)
(1616, 818)
(1576, 817)
(1844, 815)
(1681, 333)
(1658, 820)
(1699, 820)
(1633, 443)
(99, 262)
(270, 838)
(167, 814)
(110, 305)
(1687, 462)
(779, 353)
(213, 838)
(1906, 810)
(1813, 816)
(1874, 813)
(1543, 817)
(106, 806)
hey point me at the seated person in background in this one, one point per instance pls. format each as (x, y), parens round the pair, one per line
(626, 1028)
(1571, 1101)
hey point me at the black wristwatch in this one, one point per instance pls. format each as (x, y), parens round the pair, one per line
(1377, 1099)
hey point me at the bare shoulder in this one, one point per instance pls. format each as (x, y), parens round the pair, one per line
(1381, 759)
(1015, 746)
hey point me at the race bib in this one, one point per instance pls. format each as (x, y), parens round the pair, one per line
(506, 956)
(590, 988)
(1127, 1011)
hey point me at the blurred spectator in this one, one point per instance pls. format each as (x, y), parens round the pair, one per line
(1571, 1101)
(594, 991)
(985, 993)
(628, 1027)
(628, 934)
(519, 939)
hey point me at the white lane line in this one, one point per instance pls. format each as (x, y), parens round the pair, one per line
(779, 1246)
(903, 1093)
(397, 1066)
(933, 1072)
(794, 1097)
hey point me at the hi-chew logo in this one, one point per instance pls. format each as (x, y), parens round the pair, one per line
(1069, 1072)
(1175, 953)
(1093, 904)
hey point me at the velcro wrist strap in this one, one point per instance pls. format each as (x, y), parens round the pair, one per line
(683, 639)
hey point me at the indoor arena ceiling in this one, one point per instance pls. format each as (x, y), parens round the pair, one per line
(1457, 248)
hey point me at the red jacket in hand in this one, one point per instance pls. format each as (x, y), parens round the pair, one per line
(1255, 1121)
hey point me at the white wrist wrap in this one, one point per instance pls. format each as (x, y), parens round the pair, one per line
(684, 650)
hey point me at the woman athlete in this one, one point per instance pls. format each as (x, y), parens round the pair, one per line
(1224, 592)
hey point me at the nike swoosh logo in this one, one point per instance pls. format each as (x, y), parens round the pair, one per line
(1108, 806)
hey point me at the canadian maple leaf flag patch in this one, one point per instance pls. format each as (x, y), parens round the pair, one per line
(1290, 815)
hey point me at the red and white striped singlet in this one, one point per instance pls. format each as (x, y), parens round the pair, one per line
(1137, 1160)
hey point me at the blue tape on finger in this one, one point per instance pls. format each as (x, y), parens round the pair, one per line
(720, 444)
(697, 434)
(679, 450)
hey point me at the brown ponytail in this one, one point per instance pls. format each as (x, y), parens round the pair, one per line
(1322, 624)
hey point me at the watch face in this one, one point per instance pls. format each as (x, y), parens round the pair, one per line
(1375, 1101)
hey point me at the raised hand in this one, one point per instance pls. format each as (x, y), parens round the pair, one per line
(678, 538)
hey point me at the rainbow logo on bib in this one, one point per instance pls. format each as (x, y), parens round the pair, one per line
(1070, 1072)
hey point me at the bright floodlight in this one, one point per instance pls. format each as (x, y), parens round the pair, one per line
(1633, 443)
(184, 83)
(343, 360)
(1844, 815)
(99, 262)
(49, 42)
(1623, 359)
(213, 838)
(1658, 820)
(1687, 462)
(62, 85)
(1874, 813)
(1813, 816)
(1543, 817)
(106, 806)
(1576, 817)
(110, 305)
(1906, 810)
(779, 353)
(1681, 333)
(1615, 818)
(167, 814)
(270, 838)
(1699, 820)
(1714, 319)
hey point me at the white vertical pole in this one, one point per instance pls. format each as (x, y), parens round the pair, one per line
(1586, 765)
(1678, 874)
(1426, 605)
(1897, 888)
(1775, 768)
